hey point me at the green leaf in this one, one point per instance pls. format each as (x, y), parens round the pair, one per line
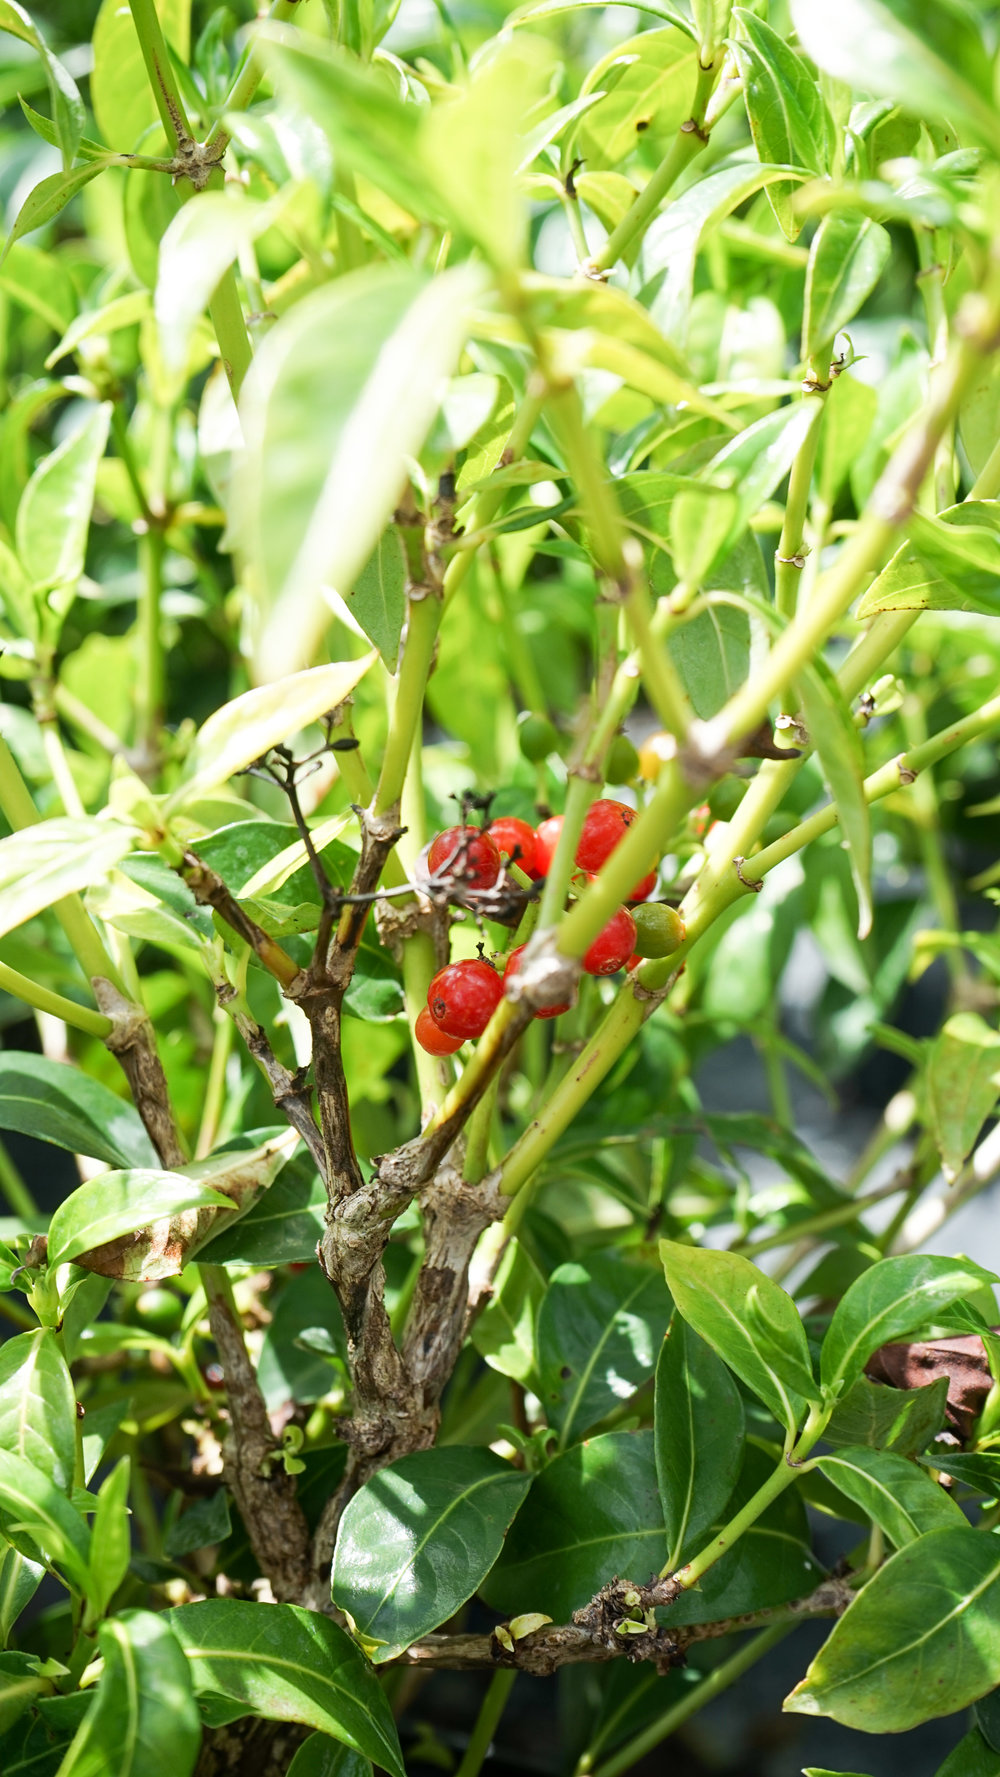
(788, 117)
(900, 1419)
(20, 1685)
(100, 1425)
(120, 93)
(842, 758)
(243, 730)
(748, 469)
(33, 1504)
(980, 1469)
(48, 197)
(926, 55)
(600, 1327)
(112, 1538)
(287, 1664)
(206, 1522)
(895, 1299)
(19, 1581)
(593, 1512)
(951, 564)
(504, 1332)
(378, 597)
(550, 8)
(417, 1540)
(57, 1103)
(67, 105)
(979, 412)
(53, 518)
(305, 1334)
(319, 1756)
(38, 1404)
(963, 1086)
(897, 1495)
(711, 651)
(972, 1757)
(748, 1320)
(648, 83)
(919, 1641)
(117, 1203)
(283, 1226)
(847, 257)
(144, 1721)
(110, 317)
(698, 1428)
(42, 864)
(343, 392)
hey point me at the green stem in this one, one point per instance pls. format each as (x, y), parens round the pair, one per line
(787, 1471)
(925, 807)
(790, 544)
(162, 80)
(149, 708)
(660, 678)
(493, 1704)
(712, 1685)
(55, 753)
(80, 717)
(423, 622)
(819, 1223)
(14, 1188)
(683, 150)
(215, 1084)
(580, 793)
(45, 1000)
(249, 74)
(226, 311)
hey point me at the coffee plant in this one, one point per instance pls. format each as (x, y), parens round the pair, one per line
(499, 560)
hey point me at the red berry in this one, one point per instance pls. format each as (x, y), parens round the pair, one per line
(466, 854)
(546, 840)
(607, 822)
(431, 1037)
(644, 889)
(633, 962)
(515, 840)
(463, 997)
(612, 948)
(512, 965)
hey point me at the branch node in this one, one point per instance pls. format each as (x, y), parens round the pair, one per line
(748, 883)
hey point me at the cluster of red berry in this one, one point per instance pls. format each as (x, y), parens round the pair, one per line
(463, 996)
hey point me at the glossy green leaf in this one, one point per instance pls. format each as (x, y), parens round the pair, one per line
(972, 1757)
(287, 1664)
(20, 1579)
(600, 1327)
(895, 1299)
(67, 105)
(593, 1512)
(842, 758)
(243, 730)
(343, 392)
(48, 197)
(117, 1203)
(951, 564)
(378, 596)
(304, 1335)
(112, 1538)
(919, 1640)
(847, 257)
(418, 1539)
(53, 518)
(748, 1320)
(42, 864)
(648, 82)
(788, 117)
(747, 469)
(206, 1522)
(900, 1419)
(963, 1085)
(38, 1404)
(283, 1226)
(20, 1685)
(319, 1756)
(504, 1332)
(927, 55)
(123, 101)
(895, 1493)
(60, 1104)
(698, 1428)
(771, 1562)
(979, 1469)
(31, 1503)
(550, 8)
(110, 317)
(143, 1721)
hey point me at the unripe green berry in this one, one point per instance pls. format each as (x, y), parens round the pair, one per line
(536, 736)
(726, 797)
(659, 929)
(623, 761)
